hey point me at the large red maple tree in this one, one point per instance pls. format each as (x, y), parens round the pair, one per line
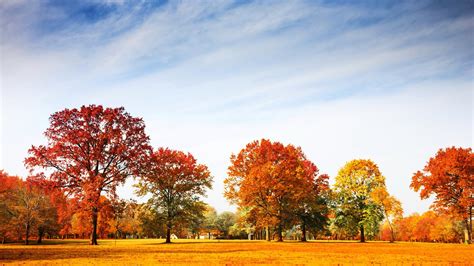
(90, 151)
(450, 177)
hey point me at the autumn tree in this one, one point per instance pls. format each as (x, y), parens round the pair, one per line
(64, 209)
(8, 187)
(224, 221)
(118, 222)
(406, 227)
(105, 219)
(430, 226)
(391, 207)
(150, 221)
(80, 224)
(129, 219)
(450, 177)
(24, 208)
(32, 208)
(193, 225)
(51, 208)
(444, 229)
(49, 222)
(90, 151)
(210, 219)
(245, 224)
(270, 179)
(312, 210)
(424, 225)
(175, 181)
(353, 187)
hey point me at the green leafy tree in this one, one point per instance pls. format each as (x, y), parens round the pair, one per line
(210, 218)
(312, 211)
(224, 221)
(355, 208)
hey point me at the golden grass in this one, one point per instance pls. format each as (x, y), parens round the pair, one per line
(235, 252)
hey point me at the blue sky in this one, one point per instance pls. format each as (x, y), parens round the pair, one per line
(389, 81)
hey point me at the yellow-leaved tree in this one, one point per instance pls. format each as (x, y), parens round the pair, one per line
(391, 207)
(355, 206)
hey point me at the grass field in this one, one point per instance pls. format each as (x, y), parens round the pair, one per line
(192, 252)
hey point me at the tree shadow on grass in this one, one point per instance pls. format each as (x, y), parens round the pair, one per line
(234, 241)
(9, 255)
(32, 254)
(64, 242)
(50, 242)
(333, 242)
(191, 242)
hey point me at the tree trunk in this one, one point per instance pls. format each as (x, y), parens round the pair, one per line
(168, 233)
(40, 235)
(303, 233)
(280, 233)
(27, 233)
(468, 235)
(362, 236)
(392, 235)
(94, 226)
(470, 225)
(267, 233)
(19, 230)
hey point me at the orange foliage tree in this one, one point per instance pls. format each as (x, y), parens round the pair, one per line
(429, 226)
(49, 224)
(406, 227)
(423, 226)
(175, 181)
(65, 211)
(450, 177)
(391, 207)
(25, 207)
(270, 180)
(126, 220)
(8, 187)
(91, 150)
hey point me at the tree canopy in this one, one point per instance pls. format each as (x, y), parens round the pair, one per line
(272, 180)
(356, 208)
(91, 150)
(175, 181)
(449, 175)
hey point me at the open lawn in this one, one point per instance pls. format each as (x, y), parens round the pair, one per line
(153, 251)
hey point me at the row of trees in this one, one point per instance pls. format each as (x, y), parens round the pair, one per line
(25, 207)
(92, 150)
(28, 211)
(277, 187)
(427, 227)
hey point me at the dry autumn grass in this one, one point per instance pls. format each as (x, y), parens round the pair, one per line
(192, 252)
